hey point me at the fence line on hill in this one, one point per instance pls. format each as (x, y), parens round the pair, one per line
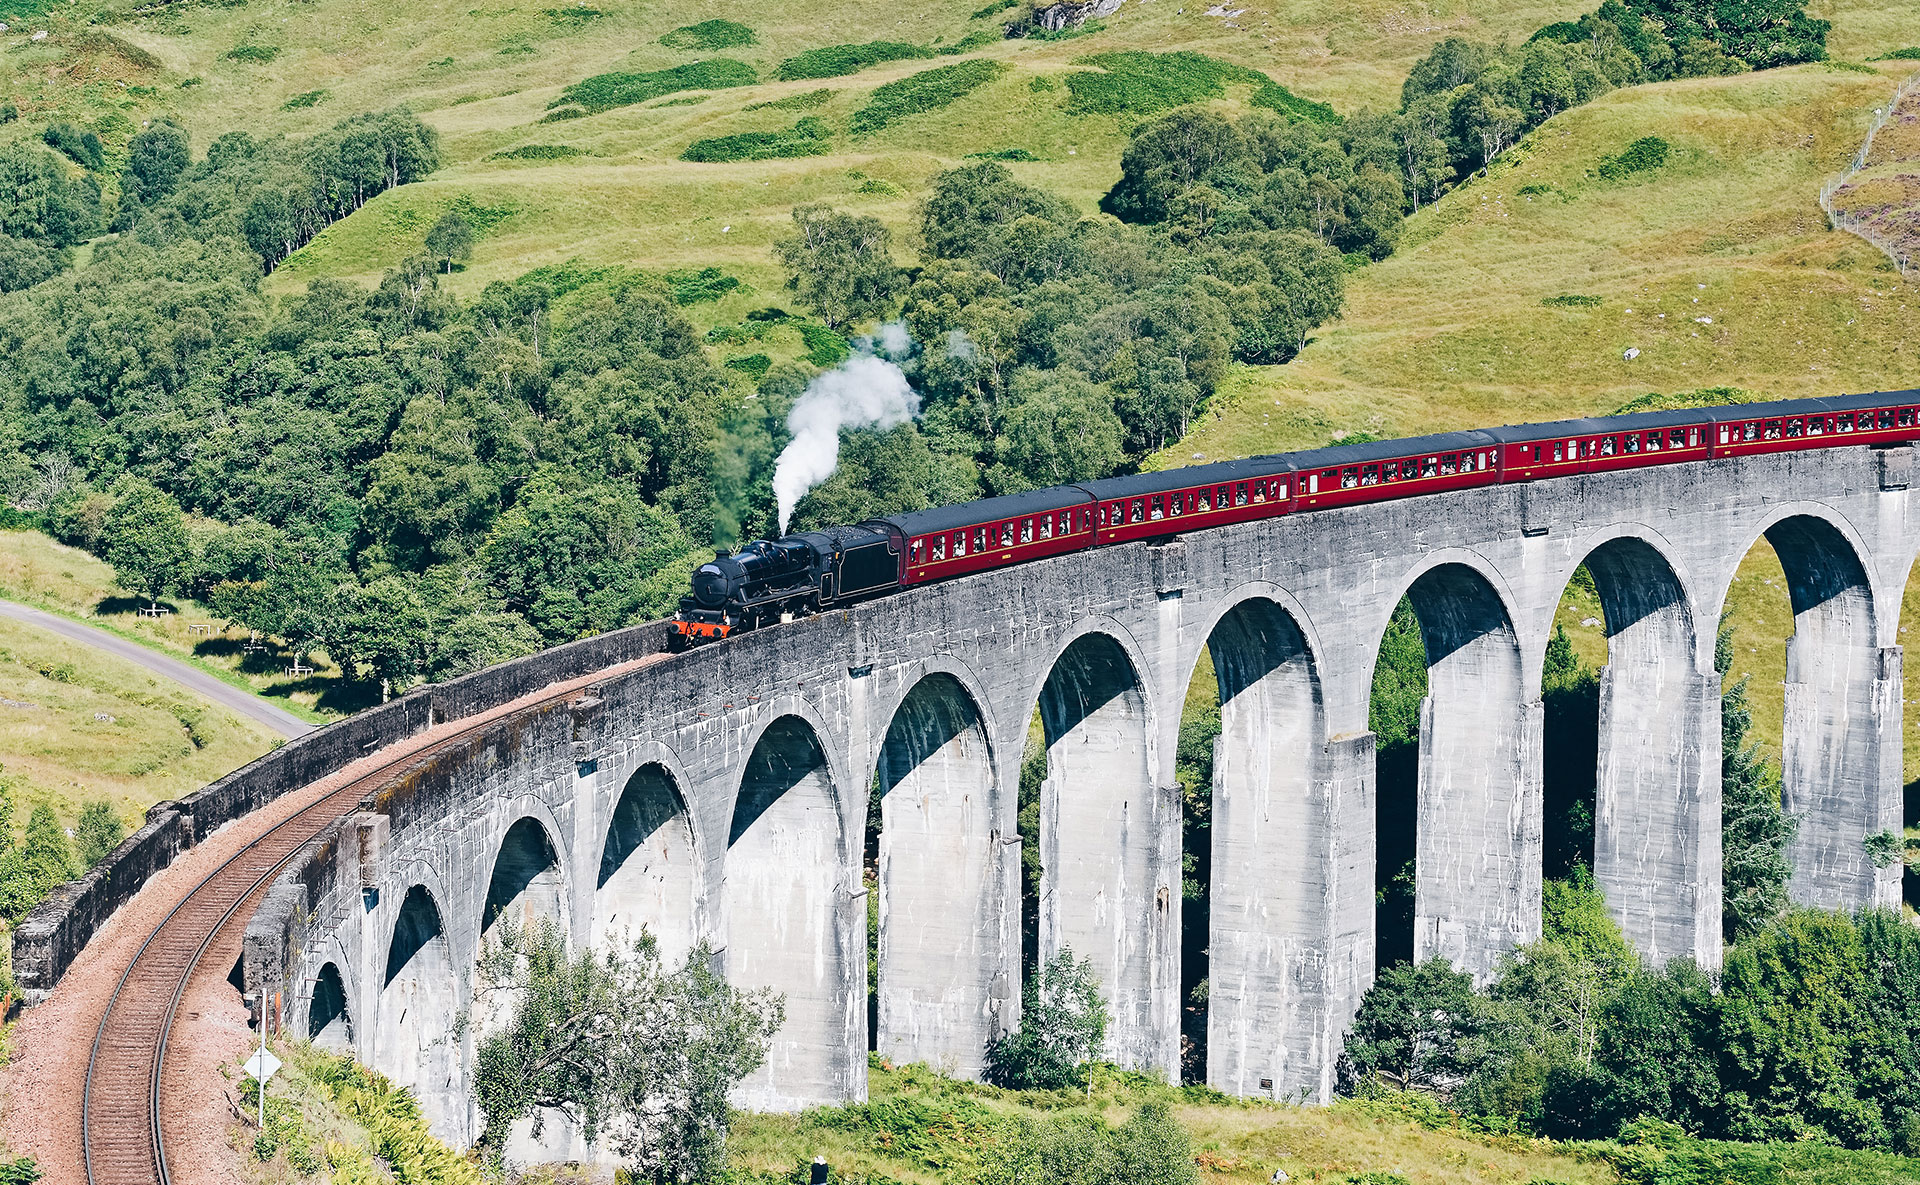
(1859, 226)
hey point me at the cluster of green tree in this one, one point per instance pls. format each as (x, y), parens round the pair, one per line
(1811, 1032)
(414, 485)
(43, 856)
(634, 1052)
(1050, 347)
(275, 194)
(1063, 1028)
(1350, 182)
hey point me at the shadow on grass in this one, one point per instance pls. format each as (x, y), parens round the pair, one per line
(331, 694)
(107, 606)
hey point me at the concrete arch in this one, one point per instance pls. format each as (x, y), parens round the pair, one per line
(1270, 940)
(1840, 768)
(1478, 813)
(649, 867)
(414, 1041)
(946, 934)
(793, 921)
(329, 1019)
(528, 882)
(1657, 771)
(1110, 845)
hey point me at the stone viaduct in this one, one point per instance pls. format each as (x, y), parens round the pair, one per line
(722, 794)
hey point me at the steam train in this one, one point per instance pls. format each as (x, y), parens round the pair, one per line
(777, 579)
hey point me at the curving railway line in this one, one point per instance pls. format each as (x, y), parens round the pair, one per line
(122, 1122)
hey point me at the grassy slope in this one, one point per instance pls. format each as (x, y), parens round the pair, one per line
(1449, 331)
(633, 202)
(106, 728)
(36, 570)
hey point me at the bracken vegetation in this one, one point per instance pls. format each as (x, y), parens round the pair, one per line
(604, 92)
(808, 137)
(708, 36)
(833, 61)
(928, 90)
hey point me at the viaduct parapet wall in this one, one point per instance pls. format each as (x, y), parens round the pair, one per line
(723, 794)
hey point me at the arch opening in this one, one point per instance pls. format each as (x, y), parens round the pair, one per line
(1263, 911)
(329, 1024)
(648, 875)
(793, 921)
(414, 1043)
(526, 887)
(1631, 752)
(1109, 848)
(943, 947)
(1475, 812)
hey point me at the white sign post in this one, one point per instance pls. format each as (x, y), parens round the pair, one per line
(262, 1065)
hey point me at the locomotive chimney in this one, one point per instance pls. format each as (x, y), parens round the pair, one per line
(721, 553)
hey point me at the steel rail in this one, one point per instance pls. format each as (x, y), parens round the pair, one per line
(149, 1163)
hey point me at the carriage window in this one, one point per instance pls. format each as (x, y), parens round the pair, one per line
(959, 544)
(1885, 418)
(1693, 437)
(1795, 427)
(1349, 478)
(1559, 451)
(1846, 421)
(1159, 510)
(1370, 476)
(1026, 530)
(1536, 453)
(1815, 426)
(979, 539)
(1206, 500)
(1653, 442)
(1772, 430)
(916, 552)
(1750, 431)
(1449, 464)
(1631, 442)
(1678, 437)
(1046, 526)
(1177, 505)
(939, 547)
(1607, 445)
(1066, 522)
(1240, 494)
(1006, 534)
(1430, 467)
(1139, 510)
(1906, 417)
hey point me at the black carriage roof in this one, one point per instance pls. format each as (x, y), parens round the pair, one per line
(1187, 476)
(1382, 450)
(829, 539)
(986, 510)
(1711, 414)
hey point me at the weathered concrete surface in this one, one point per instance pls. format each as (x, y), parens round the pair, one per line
(756, 762)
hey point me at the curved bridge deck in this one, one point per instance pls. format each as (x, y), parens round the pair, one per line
(123, 1128)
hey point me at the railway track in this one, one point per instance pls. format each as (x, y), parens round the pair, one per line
(121, 1118)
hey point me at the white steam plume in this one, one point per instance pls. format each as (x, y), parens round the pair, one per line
(862, 392)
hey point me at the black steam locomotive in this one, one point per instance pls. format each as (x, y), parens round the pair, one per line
(771, 580)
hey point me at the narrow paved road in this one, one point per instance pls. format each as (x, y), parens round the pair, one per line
(251, 706)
